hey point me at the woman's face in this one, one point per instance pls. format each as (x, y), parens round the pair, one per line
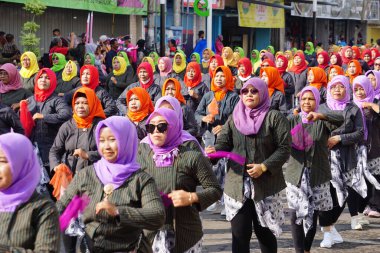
(308, 103)
(372, 78)
(262, 54)
(348, 53)
(376, 65)
(143, 75)
(320, 59)
(333, 73)
(190, 74)
(279, 63)
(253, 55)
(287, 55)
(116, 64)
(359, 92)
(86, 77)
(5, 172)
(43, 82)
(367, 57)
(333, 59)
(352, 68)
(373, 54)
(220, 79)
(307, 47)
(134, 103)
(157, 138)
(25, 62)
(81, 107)
(297, 60)
(213, 64)
(193, 58)
(310, 76)
(170, 89)
(251, 98)
(68, 69)
(264, 77)
(108, 146)
(166, 104)
(161, 65)
(354, 54)
(4, 77)
(55, 60)
(338, 91)
(87, 60)
(178, 60)
(206, 55)
(225, 54)
(242, 70)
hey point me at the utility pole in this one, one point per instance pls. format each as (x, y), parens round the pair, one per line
(209, 25)
(162, 25)
(314, 21)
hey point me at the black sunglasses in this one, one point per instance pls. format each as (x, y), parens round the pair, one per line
(252, 91)
(377, 64)
(161, 127)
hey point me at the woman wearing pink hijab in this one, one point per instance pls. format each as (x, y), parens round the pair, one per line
(165, 71)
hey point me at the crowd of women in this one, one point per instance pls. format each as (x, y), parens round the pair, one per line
(125, 151)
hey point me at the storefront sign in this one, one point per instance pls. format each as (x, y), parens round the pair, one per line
(261, 16)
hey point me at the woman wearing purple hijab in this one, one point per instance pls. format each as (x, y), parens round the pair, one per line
(29, 221)
(343, 160)
(251, 191)
(123, 199)
(177, 169)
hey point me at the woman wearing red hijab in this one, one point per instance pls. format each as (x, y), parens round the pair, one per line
(336, 59)
(215, 61)
(282, 65)
(195, 87)
(244, 73)
(49, 112)
(346, 56)
(145, 81)
(299, 71)
(323, 60)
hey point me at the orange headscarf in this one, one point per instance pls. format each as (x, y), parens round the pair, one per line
(220, 93)
(177, 85)
(146, 104)
(96, 109)
(338, 69)
(320, 77)
(198, 75)
(275, 81)
(358, 70)
(357, 52)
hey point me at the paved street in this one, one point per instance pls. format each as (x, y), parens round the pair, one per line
(218, 237)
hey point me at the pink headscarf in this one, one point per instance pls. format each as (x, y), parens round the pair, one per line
(14, 79)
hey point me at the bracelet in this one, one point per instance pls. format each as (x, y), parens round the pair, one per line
(191, 198)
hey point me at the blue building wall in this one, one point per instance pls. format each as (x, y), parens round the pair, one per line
(262, 38)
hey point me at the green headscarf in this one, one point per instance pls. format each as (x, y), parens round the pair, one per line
(294, 50)
(311, 51)
(125, 56)
(197, 56)
(254, 60)
(181, 51)
(92, 56)
(240, 51)
(270, 48)
(155, 57)
(61, 62)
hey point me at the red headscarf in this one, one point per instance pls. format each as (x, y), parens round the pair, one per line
(148, 68)
(367, 51)
(247, 65)
(94, 76)
(220, 61)
(282, 70)
(269, 61)
(220, 93)
(320, 77)
(358, 72)
(145, 101)
(338, 59)
(377, 54)
(197, 77)
(275, 81)
(42, 95)
(177, 85)
(356, 50)
(302, 66)
(326, 59)
(345, 60)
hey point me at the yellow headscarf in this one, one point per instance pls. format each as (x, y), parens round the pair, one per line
(278, 53)
(151, 62)
(74, 71)
(230, 58)
(235, 60)
(178, 69)
(33, 68)
(123, 66)
(258, 63)
(290, 60)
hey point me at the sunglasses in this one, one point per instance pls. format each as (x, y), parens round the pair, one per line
(377, 64)
(161, 127)
(252, 91)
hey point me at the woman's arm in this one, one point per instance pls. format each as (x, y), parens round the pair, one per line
(58, 148)
(62, 112)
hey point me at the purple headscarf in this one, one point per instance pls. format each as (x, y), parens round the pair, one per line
(248, 121)
(370, 95)
(317, 98)
(377, 77)
(338, 105)
(269, 56)
(14, 78)
(164, 155)
(25, 170)
(168, 66)
(178, 109)
(125, 165)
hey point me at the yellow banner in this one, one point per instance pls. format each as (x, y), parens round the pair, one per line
(261, 16)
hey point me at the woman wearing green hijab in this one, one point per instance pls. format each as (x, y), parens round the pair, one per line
(90, 59)
(240, 51)
(195, 57)
(59, 63)
(255, 57)
(155, 57)
(270, 48)
(310, 55)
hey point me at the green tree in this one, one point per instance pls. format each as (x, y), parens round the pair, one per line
(29, 39)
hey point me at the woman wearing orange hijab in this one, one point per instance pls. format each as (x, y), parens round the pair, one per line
(195, 87)
(317, 78)
(218, 104)
(172, 88)
(215, 61)
(75, 143)
(354, 69)
(334, 71)
(140, 106)
(272, 78)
